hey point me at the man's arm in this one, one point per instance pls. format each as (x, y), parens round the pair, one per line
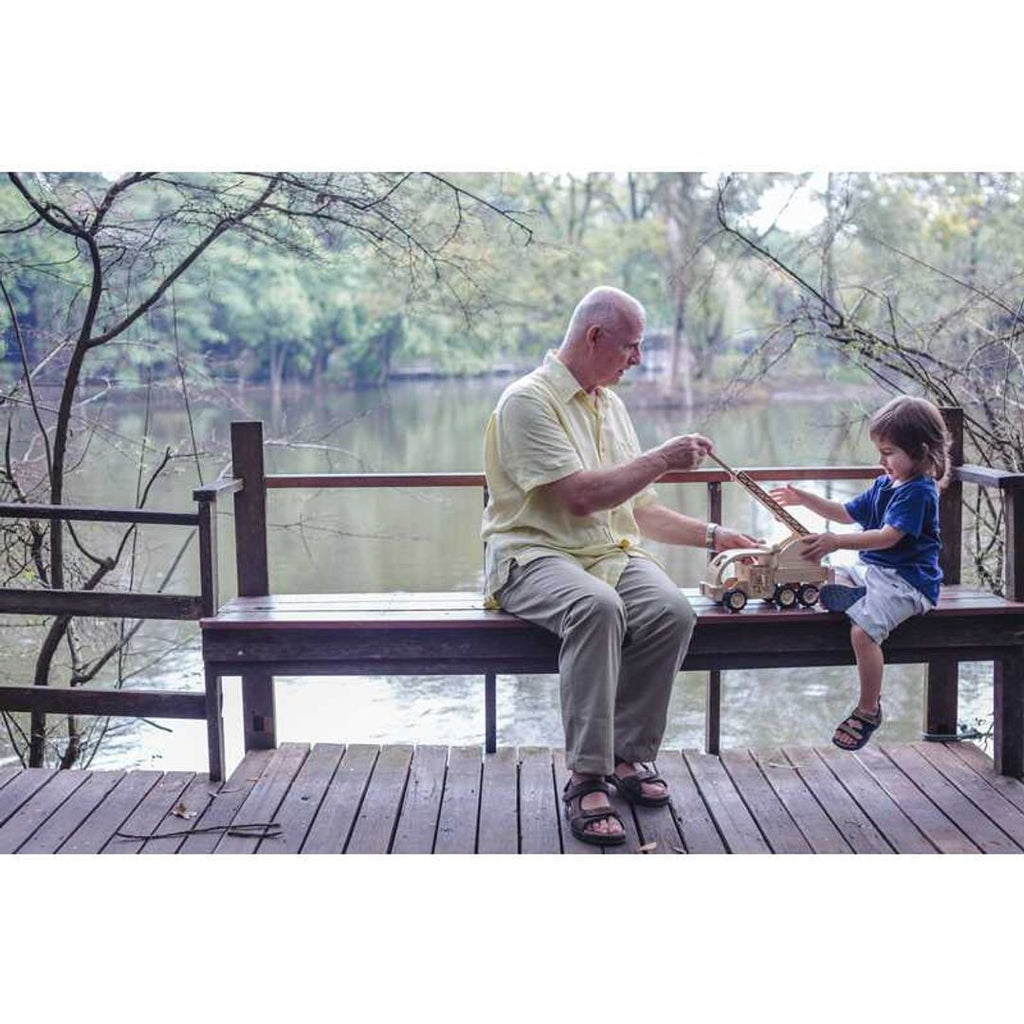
(664, 524)
(594, 490)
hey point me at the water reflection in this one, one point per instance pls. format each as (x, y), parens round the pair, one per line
(421, 540)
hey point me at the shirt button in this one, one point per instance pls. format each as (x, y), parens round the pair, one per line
(624, 543)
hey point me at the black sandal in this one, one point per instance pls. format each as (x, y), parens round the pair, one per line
(579, 818)
(858, 727)
(631, 787)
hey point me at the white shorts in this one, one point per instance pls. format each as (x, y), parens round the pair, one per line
(889, 601)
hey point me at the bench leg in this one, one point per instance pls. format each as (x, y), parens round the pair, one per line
(712, 712)
(1008, 712)
(940, 700)
(258, 715)
(215, 725)
(490, 712)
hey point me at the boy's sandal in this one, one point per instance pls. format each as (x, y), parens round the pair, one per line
(631, 786)
(579, 818)
(859, 727)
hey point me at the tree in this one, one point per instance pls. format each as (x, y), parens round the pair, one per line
(117, 250)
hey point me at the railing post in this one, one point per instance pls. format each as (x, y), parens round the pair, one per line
(713, 690)
(1013, 552)
(208, 577)
(941, 686)
(258, 713)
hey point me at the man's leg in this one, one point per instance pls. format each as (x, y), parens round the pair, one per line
(660, 622)
(589, 616)
(557, 594)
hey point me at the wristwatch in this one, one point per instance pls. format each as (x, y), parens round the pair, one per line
(709, 536)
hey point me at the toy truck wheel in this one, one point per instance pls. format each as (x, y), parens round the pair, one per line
(807, 595)
(785, 595)
(734, 600)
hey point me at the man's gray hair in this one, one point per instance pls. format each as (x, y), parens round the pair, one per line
(605, 306)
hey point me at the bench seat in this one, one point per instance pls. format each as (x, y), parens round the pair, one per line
(451, 633)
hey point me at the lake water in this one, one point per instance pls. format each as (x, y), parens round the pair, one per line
(322, 541)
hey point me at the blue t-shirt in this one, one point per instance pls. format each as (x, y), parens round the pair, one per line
(912, 507)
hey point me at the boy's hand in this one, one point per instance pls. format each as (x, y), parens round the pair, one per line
(786, 495)
(817, 545)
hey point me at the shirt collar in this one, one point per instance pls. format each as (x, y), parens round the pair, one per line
(561, 377)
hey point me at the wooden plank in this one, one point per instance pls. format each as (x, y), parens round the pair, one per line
(814, 824)
(982, 832)
(951, 505)
(843, 811)
(995, 807)
(97, 514)
(101, 604)
(885, 814)
(300, 805)
(97, 830)
(53, 789)
(375, 825)
(737, 828)
(539, 806)
(263, 800)
(460, 804)
(772, 818)
(417, 823)
(8, 772)
(925, 815)
(570, 844)
(221, 808)
(333, 822)
(71, 813)
(83, 700)
(980, 762)
(150, 812)
(186, 811)
(499, 819)
(692, 818)
(21, 789)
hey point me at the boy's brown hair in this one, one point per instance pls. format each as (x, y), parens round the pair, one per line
(916, 426)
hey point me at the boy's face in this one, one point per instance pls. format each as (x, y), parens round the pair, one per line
(895, 461)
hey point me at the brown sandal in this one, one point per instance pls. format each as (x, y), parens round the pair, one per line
(579, 818)
(631, 787)
(859, 727)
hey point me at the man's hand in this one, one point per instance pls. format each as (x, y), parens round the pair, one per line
(685, 451)
(726, 540)
(817, 545)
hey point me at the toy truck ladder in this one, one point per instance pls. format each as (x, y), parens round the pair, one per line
(764, 498)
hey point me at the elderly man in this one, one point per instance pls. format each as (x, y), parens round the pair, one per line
(570, 503)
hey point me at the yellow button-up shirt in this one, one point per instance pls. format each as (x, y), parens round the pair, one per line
(546, 427)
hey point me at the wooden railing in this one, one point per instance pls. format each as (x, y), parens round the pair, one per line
(941, 691)
(120, 702)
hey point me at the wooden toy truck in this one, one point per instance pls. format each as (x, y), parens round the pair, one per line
(778, 573)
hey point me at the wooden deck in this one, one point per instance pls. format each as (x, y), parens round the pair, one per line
(915, 798)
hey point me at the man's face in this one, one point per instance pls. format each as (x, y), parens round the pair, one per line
(616, 349)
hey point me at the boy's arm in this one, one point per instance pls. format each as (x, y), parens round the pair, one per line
(834, 511)
(816, 546)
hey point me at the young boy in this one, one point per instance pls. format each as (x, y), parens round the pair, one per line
(898, 573)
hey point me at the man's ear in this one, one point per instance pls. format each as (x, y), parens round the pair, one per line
(593, 333)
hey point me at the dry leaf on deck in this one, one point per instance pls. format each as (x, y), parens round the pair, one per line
(647, 847)
(181, 811)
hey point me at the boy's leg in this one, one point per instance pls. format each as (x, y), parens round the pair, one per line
(870, 667)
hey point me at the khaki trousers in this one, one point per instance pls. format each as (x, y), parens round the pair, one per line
(614, 697)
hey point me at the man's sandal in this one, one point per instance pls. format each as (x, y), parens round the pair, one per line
(859, 727)
(579, 818)
(631, 786)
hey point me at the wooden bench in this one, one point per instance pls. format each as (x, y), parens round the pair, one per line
(258, 635)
